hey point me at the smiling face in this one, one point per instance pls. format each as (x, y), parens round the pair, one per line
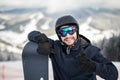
(68, 34)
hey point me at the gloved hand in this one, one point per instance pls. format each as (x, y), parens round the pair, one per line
(44, 46)
(86, 64)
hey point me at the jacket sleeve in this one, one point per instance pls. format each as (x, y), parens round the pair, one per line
(34, 34)
(104, 68)
(32, 37)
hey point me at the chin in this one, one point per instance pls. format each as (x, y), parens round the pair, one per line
(70, 44)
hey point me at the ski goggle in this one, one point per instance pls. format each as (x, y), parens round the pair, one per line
(70, 30)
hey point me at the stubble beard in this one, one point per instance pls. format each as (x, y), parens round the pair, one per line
(66, 40)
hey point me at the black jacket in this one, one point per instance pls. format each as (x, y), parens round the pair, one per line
(66, 67)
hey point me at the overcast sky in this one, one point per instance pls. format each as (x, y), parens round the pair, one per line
(60, 5)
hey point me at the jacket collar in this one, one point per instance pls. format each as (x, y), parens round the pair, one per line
(81, 42)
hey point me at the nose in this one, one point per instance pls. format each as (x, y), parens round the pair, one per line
(67, 35)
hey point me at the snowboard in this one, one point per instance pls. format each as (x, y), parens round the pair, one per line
(35, 66)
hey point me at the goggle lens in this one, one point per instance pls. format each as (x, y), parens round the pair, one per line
(70, 30)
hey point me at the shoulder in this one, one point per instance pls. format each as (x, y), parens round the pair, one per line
(86, 44)
(92, 51)
(57, 43)
(92, 48)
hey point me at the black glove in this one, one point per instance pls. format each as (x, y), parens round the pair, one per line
(44, 46)
(86, 64)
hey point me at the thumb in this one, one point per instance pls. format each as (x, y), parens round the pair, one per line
(82, 53)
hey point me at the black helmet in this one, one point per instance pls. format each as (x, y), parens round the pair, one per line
(66, 20)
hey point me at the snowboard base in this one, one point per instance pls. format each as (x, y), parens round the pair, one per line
(35, 66)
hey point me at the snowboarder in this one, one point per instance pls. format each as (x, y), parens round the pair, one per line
(73, 56)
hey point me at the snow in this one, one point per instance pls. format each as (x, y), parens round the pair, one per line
(13, 70)
(19, 39)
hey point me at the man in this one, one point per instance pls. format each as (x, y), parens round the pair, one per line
(73, 56)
